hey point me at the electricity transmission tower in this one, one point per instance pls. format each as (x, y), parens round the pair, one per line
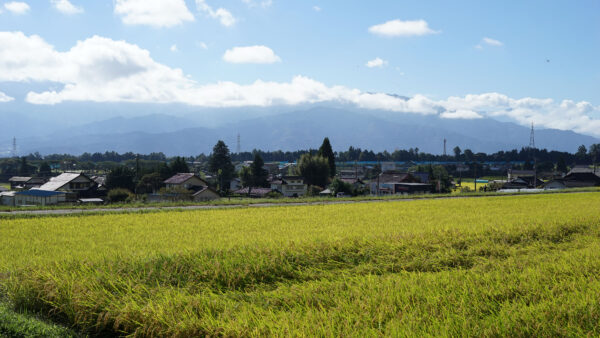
(532, 151)
(14, 147)
(238, 148)
(444, 147)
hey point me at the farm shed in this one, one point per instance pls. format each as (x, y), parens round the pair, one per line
(39, 197)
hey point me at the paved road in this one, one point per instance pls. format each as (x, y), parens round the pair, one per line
(207, 207)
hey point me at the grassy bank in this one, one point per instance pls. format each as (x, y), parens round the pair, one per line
(520, 265)
(237, 201)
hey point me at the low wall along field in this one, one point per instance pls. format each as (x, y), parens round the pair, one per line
(516, 266)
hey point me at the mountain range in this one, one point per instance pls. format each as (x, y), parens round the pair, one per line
(189, 134)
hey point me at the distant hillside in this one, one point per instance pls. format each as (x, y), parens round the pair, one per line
(300, 130)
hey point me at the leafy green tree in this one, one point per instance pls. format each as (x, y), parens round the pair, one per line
(327, 152)
(149, 183)
(220, 164)
(314, 169)
(468, 155)
(246, 177)
(120, 177)
(179, 165)
(581, 153)
(119, 195)
(594, 153)
(457, 153)
(338, 186)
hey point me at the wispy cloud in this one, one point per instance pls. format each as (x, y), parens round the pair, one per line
(5, 98)
(316, 8)
(397, 27)
(224, 16)
(156, 13)
(66, 7)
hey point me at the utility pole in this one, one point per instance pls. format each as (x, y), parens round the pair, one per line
(475, 174)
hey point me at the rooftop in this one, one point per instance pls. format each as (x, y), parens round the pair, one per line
(180, 178)
(57, 182)
(19, 179)
(39, 193)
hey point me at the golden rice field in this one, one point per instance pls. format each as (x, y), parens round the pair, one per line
(509, 266)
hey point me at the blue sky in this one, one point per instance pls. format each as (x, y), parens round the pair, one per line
(518, 60)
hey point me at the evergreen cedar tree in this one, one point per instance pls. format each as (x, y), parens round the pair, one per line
(220, 164)
(179, 166)
(314, 169)
(45, 169)
(327, 152)
(258, 174)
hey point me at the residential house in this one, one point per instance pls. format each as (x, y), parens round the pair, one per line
(39, 197)
(100, 184)
(514, 173)
(422, 176)
(235, 184)
(523, 182)
(189, 181)
(18, 182)
(584, 169)
(254, 192)
(200, 191)
(575, 179)
(356, 183)
(24, 183)
(206, 194)
(75, 185)
(395, 182)
(7, 198)
(290, 186)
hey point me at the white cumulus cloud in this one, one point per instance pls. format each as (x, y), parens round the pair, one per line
(5, 98)
(251, 54)
(377, 62)
(397, 27)
(100, 69)
(316, 8)
(17, 7)
(224, 16)
(66, 7)
(174, 48)
(156, 13)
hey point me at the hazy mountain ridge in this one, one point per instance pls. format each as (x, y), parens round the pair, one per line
(302, 129)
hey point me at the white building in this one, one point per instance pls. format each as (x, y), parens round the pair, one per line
(290, 186)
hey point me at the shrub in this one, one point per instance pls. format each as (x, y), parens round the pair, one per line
(119, 195)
